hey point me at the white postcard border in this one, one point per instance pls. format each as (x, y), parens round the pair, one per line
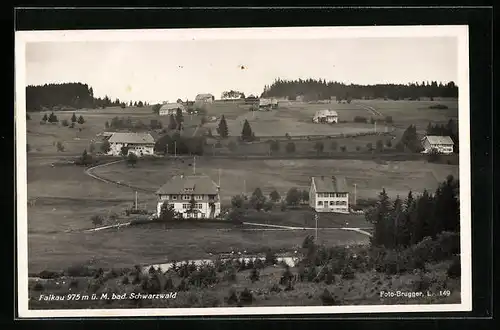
(458, 31)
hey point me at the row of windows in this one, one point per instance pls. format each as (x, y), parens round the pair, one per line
(320, 203)
(188, 206)
(326, 195)
(185, 197)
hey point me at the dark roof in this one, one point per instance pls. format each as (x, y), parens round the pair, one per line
(201, 185)
(434, 139)
(139, 138)
(330, 184)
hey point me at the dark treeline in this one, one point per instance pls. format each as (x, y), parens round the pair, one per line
(313, 89)
(69, 96)
(176, 144)
(400, 223)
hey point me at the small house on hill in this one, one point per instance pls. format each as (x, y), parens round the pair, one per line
(326, 116)
(140, 144)
(181, 190)
(329, 194)
(204, 98)
(442, 144)
(268, 103)
(171, 109)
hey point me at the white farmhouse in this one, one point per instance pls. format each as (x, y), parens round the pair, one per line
(329, 194)
(171, 109)
(268, 103)
(138, 143)
(326, 116)
(442, 144)
(180, 190)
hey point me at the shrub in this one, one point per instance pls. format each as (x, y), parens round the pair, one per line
(237, 201)
(343, 148)
(327, 298)
(268, 206)
(97, 220)
(330, 277)
(246, 296)
(287, 276)
(358, 148)
(388, 143)
(454, 271)
(275, 288)
(348, 273)
(59, 146)
(369, 146)
(360, 119)
(38, 287)
(65, 122)
(232, 298)
(254, 275)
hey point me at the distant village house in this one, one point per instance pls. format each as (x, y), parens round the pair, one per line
(329, 194)
(204, 98)
(326, 116)
(266, 104)
(171, 109)
(442, 144)
(140, 144)
(180, 190)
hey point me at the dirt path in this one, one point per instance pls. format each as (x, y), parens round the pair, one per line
(370, 109)
(277, 227)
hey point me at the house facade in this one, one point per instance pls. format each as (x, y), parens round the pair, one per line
(140, 144)
(442, 144)
(329, 194)
(180, 191)
(204, 98)
(326, 116)
(266, 104)
(168, 109)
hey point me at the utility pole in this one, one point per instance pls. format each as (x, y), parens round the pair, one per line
(316, 218)
(355, 197)
(175, 149)
(375, 126)
(219, 177)
(244, 187)
(136, 200)
(194, 165)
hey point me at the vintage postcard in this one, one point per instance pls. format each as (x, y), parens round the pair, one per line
(243, 171)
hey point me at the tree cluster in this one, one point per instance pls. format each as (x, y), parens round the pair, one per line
(313, 89)
(401, 223)
(232, 95)
(180, 145)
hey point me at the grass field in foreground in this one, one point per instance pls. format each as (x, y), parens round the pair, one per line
(239, 175)
(363, 289)
(155, 244)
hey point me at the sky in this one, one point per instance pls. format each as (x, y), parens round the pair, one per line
(158, 71)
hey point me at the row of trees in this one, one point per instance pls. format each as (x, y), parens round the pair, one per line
(180, 145)
(128, 123)
(259, 201)
(400, 223)
(232, 95)
(313, 89)
(69, 95)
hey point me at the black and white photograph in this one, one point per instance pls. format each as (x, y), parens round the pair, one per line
(240, 171)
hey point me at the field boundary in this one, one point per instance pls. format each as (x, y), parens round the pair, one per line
(89, 170)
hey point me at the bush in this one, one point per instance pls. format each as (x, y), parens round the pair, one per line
(287, 276)
(358, 148)
(343, 148)
(254, 275)
(348, 273)
(232, 298)
(38, 287)
(47, 274)
(246, 296)
(65, 122)
(327, 298)
(360, 119)
(454, 271)
(97, 220)
(438, 106)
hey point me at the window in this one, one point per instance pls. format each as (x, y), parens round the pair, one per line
(320, 203)
(174, 197)
(332, 194)
(186, 197)
(185, 206)
(331, 203)
(198, 197)
(199, 206)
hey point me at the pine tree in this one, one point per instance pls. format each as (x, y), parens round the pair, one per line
(81, 120)
(45, 118)
(172, 124)
(246, 132)
(223, 129)
(73, 118)
(179, 118)
(381, 218)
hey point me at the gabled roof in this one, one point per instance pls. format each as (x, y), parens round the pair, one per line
(200, 185)
(323, 113)
(139, 138)
(330, 184)
(434, 139)
(171, 106)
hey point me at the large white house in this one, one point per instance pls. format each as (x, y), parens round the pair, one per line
(329, 194)
(180, 190)
(326, 116)
(171, 109)
(138, 143)
(442, 144)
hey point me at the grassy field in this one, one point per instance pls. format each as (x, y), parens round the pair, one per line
(43, 137)
(239, 175)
